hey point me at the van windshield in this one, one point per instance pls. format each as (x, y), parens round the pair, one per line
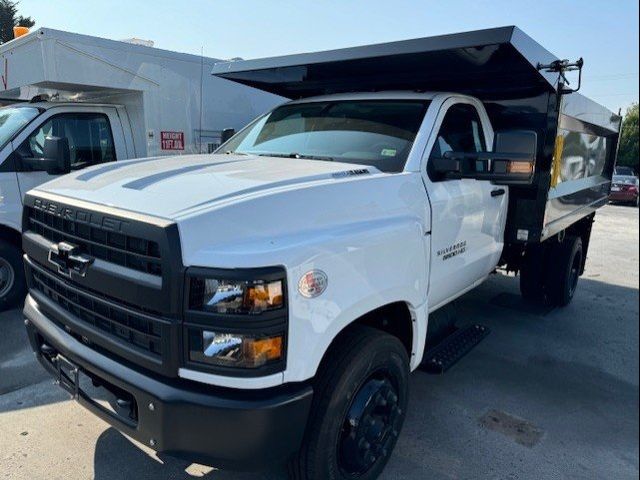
(12, 119)
(379, 133)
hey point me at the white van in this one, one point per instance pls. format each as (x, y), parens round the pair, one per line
(111, 101)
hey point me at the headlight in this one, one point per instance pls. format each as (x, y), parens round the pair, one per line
(217, 295)
(234, 349)
(236, 320)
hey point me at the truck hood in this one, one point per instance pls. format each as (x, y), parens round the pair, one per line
(173, 187)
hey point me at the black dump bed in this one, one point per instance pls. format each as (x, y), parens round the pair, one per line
(577, 137)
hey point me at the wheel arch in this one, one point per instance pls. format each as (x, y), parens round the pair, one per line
(11, 235)
(398, 319)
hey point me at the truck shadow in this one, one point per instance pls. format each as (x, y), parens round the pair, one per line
(116, 457)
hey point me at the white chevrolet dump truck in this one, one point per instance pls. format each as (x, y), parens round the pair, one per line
(107, 100)
(268, 302)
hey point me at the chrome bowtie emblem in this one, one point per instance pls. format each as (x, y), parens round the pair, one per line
(67, 257)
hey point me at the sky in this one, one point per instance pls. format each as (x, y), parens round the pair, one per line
(605, 33)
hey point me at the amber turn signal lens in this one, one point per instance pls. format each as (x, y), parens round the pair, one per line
(523, 168)
(264, 350)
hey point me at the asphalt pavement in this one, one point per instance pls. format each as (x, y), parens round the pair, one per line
(547, 395)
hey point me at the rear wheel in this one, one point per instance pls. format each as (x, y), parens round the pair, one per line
(12, 283)
(565, 271)
(359, 407)
(549, 273)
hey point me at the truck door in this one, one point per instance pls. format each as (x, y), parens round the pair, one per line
(468, 216)
(94, 135)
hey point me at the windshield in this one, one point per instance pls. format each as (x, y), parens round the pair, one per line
(379, 133)
(12, 119)
(626, 171)
(625, 179)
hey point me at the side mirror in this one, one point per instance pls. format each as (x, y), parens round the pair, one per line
(56, 158)
(512, 161)
(226, 134)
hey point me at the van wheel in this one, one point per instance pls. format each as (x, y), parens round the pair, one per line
(12, 283)
(359, 407)
(565, 271)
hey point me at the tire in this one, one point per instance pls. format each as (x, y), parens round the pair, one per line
(360, 400)
(12, 282)
(564, 271)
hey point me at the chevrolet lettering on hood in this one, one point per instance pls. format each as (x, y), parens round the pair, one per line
(79, 216)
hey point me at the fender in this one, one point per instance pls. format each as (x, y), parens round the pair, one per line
(367, 234)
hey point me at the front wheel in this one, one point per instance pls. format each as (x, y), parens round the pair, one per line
(12, 283)
(359, 407)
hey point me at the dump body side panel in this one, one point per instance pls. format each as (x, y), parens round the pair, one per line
(583, 162)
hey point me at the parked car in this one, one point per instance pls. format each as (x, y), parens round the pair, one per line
(625, 189)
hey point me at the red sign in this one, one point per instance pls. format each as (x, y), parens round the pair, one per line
(172, 140)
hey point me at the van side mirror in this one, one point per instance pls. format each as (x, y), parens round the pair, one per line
(226, 134)
(56, 159)
(512, 161)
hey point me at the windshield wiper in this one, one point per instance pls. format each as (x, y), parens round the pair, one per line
(297, 155)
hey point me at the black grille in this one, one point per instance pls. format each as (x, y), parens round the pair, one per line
(128, 251)
(135, 329)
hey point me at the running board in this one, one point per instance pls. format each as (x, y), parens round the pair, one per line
(452, 348)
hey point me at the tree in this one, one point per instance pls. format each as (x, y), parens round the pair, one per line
(9, 18)
(628, 153)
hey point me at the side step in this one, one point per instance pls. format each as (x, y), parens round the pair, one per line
(452, 348)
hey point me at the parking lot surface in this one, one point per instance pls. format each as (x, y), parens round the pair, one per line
(547, 395)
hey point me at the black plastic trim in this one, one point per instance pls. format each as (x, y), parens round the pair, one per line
(166, 301)
(171, 335)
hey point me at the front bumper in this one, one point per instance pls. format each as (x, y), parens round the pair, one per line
(222, 427)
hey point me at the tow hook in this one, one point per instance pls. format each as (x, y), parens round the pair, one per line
(47, 350)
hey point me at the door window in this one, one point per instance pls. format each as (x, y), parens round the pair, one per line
(461, 131)
(89, 135)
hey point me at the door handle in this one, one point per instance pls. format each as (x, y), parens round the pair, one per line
(498, 192)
